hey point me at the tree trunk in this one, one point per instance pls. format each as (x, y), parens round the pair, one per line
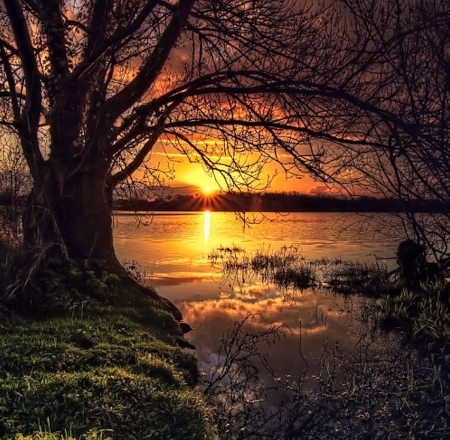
(72, 215)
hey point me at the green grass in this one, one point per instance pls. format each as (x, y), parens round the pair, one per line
(95, 361)
(48, 435)
(423, 315)
(97, 373)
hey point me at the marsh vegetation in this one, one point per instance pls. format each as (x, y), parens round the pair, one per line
(393, 383)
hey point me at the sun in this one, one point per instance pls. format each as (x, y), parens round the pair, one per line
(206, 190)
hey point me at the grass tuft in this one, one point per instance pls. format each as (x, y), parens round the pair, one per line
(285, 268)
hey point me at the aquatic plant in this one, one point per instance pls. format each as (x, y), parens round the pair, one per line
(371, 390)
(368, 277)
(286, 267)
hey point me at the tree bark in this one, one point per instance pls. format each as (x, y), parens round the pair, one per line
(71, 215)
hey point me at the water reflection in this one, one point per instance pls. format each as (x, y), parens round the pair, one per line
(360, 390)
(174, 237)
(206, 226)
(176, 262)
(309, 319)
(317, 325)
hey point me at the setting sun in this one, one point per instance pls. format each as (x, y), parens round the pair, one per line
(207, 190)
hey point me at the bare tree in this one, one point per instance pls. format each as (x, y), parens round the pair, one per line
(91, 88)
(393, 103)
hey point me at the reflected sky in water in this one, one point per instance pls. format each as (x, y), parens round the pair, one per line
(173, 255)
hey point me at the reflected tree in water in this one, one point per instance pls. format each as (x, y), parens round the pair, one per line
(371, 390)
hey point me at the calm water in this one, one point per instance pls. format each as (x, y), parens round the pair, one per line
(173, 249)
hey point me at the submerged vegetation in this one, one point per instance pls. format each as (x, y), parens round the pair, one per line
(285, 267)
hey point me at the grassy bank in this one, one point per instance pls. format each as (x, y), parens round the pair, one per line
(83, 357)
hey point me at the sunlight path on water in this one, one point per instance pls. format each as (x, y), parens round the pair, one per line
(181, 242)
(207, 227)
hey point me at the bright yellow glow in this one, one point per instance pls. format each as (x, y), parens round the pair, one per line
(189, 173)
(206, 227)
(206, 189)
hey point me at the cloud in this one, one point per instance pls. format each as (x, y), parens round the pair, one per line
(319, 189)
(177, 278)
(305, 327)
(276, 310)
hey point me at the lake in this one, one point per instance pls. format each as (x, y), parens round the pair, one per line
(172, 253)
(312, 346)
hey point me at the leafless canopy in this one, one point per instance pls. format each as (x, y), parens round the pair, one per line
(353, 92)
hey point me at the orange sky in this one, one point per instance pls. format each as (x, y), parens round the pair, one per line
(193, 174)
(187, 173)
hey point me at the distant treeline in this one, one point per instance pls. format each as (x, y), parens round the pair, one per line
(279, 202)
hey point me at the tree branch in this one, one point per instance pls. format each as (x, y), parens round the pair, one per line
(97, 47)
(129, 169)
(123, 100)
(11, 83)
(28, 121)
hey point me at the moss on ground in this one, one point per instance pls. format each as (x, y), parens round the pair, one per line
(96, 367)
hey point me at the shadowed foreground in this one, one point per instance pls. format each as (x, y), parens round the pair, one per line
(99, 362)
